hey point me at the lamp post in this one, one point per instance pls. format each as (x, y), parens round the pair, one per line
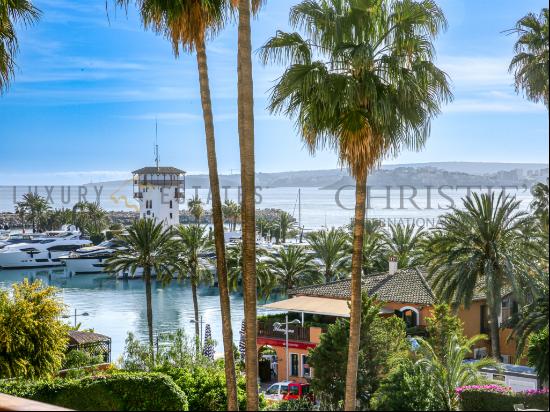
(277, 328)
(75, 316)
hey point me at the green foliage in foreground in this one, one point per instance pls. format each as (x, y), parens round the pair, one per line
(292, 405)
(538, 353)
(495, 401)
(381, 339)
(117, 392)
(32, 338)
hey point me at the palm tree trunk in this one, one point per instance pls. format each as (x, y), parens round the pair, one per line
(494, 312)
(246, 143)
(217, 217)
(196, 310)
(356, 269)
(149, 298)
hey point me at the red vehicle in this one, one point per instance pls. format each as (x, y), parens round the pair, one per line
(299, 391)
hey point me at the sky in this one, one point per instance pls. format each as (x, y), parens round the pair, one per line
(90, 84)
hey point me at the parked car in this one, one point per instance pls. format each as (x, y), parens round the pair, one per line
(285, 391)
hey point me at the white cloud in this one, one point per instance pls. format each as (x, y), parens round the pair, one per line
(474, 72)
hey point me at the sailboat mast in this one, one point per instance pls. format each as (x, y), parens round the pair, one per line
(157, 160)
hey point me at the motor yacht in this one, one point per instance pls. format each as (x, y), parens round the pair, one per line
(42, 250)
(92, 259)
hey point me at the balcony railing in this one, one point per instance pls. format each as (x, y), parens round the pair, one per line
(168, 182)
(266, 329)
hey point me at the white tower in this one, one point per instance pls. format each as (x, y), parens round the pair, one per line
(159, 191)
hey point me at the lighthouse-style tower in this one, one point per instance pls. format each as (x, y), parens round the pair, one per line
(159, 191)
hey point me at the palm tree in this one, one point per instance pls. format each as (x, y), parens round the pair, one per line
(90, 218)
(265, 281)
(245, 86)
(488, 245)
(293, 267)
(285, 223)
(449, 372)
(539, 205)
(192, 245)
(375, 253)
(37, 208)
(403, 242)
(148, 248)
(330, 247)
(363, 83)
(231, 212)
(534, 316)
(196, 209)
(22, 211)
(12, 13)
(530, 65)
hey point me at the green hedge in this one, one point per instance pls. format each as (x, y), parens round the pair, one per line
(493, 401)
(116, 392)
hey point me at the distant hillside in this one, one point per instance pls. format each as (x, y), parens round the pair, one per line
(444, 173)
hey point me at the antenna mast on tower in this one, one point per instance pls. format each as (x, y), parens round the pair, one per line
(157, 159)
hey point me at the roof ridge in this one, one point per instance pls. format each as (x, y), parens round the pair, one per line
(425, 283)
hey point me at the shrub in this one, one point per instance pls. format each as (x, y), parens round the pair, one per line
(116, 392)
(414, 387)
(79, 359)
(538, 353)
(32, 338)
(292, 405)
(499, 398)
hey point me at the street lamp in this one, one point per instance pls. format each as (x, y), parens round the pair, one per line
(277, 327)
(75, 316)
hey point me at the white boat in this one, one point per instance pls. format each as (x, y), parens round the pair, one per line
(42, 250)
(91, 259)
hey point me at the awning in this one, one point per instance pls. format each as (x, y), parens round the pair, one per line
(317, 306)
(310, 304)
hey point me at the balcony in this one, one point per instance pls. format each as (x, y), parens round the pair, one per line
(138, 195)
(10, 403)
(266, 329)
(162, 183)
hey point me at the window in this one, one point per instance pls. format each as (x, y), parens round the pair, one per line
(171, 216)
(171, 204)
(273, 390)
(294, 365)
(484, 319)
(410, 316)
(284, 390)
(295, 390)
(306, 370)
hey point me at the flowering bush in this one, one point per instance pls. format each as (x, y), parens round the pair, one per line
(484, 388)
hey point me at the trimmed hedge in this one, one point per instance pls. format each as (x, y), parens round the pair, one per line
(479, 400)
(116, 392)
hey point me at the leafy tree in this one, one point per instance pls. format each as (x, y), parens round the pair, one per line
(406, 388)
(147, 249)
(538, 353)
(32, 338)
(330, 247)
(12, 13)
(363, 82)
(441, 326)
(381, 339)
(448, 369)
(530, 65)
(487, 245)
(293, 267)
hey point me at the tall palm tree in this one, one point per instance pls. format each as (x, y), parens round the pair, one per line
(449, 372)
(403, 242)
(12, 12)
(293, 267)
(148, 248)
(530, 65)
(37, 208)
(22, 211)
(90, 217)
(375, 254)
(285, 224)
(362, 82)
(192, 245)
(245, 86)
(330, 247)
(487, 245)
